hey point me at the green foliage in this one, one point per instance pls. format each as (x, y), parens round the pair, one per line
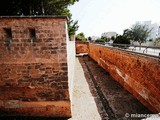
(35, 7)
(157, 42)
(72, 27)
(40, 7)
(105, 39)
(121, 39)
(140, 33)
(89, 38)
(113, 38)
(100, 41)
(137, 33)
(81, 37)
(127, 33)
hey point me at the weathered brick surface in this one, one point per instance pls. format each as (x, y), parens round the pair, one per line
(36, 109)
(34, 71)
(82, 47)
(139, 74)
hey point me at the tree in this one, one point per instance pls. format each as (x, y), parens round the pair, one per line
(121, 39)
(35, 7)
(127, 33)
(72, 27)
(81, 37)
(89, 38)
(156, 42)
(113, 38)
(40, 7)
(139, 33)
(105, 39)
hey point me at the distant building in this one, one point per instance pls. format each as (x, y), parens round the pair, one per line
(93, 38)
(109, 34)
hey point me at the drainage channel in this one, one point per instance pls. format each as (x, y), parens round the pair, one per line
(105, 104)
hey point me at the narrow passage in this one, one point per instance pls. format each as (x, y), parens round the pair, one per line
(112, 100)
(83, 104)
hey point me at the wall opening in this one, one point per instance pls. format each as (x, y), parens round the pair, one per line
(32, 34)
(8, 35)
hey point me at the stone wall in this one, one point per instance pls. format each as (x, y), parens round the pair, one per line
(34, 68)
(140, 75)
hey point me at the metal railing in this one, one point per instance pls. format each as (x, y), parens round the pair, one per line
(133, 48)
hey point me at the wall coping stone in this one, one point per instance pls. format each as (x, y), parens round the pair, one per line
(37, 16)
(129, 52)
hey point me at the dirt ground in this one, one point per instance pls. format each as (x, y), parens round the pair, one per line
(112, 100)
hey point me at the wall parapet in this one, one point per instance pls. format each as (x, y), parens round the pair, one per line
(139, 74)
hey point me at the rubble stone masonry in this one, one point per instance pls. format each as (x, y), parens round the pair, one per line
(139, 74)
(33, 67)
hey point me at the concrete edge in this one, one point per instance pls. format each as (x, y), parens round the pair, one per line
(81, 54)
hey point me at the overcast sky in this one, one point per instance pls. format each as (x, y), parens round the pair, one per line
(98, 16)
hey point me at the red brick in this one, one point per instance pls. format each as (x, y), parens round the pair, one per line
(31, 68)
(143, 77)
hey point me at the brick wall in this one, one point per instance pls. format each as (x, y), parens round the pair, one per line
(82, 47)
(139, 74)
(34, 68)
